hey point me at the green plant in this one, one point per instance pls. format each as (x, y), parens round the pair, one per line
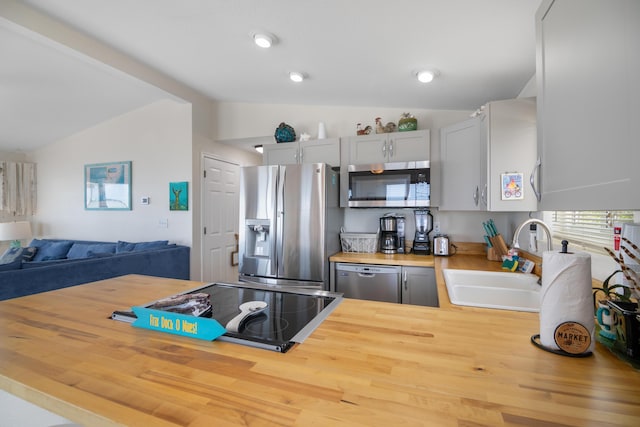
(610, 291)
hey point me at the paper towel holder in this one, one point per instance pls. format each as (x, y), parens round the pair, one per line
(535, 340)
(566, 326)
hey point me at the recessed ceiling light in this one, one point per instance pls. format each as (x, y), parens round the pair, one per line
(296, 76)
(263, 40)
(426, 76)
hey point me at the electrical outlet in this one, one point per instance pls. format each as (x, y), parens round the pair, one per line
(436, 227)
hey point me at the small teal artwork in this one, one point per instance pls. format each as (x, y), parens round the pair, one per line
(179, 196)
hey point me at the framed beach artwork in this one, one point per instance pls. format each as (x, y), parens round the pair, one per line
(179, 196)
(107, 186)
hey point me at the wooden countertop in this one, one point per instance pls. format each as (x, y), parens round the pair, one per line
(385, 259)
(369, 363)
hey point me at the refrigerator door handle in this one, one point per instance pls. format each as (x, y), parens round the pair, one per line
(278, 250)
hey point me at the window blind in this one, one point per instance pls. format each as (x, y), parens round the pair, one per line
(591, 229)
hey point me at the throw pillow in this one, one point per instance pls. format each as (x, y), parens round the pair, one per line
(83, 250)
(141, 246)
(28, 253)
(52, 250)
(11, 259)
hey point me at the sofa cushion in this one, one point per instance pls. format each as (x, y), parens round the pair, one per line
(88, 250)
(48, 250)
(123, 246)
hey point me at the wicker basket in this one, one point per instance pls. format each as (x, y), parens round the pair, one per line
(359, 242)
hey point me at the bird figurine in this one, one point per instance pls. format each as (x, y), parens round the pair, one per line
(388, 128)
(363, 131)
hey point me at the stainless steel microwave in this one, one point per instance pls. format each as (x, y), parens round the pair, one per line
(401, 184)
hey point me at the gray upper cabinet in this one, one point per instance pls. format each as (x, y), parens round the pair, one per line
(588, 68)
(478, 153)
(389, 147)
(314, 151)
(462, 171)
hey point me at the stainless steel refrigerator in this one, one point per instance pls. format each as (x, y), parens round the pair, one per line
(290, 223)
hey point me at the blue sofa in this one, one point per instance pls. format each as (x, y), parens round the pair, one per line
(50, 264)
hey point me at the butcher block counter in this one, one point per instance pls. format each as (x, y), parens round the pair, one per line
(368, 364)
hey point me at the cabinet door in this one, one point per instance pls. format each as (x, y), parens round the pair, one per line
(367, 149)
(460, 164)
(588, 63)
(409, 146)
(419, 286)
(510, 129)
(390, 147)
(285, 153)
(321, 151)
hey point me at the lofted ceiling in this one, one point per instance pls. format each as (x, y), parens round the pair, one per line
(354, 53)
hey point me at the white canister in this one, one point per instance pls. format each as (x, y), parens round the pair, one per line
(322, 131)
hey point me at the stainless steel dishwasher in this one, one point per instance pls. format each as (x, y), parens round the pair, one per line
(370, 282)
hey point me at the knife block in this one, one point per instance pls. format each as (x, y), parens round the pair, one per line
(492, 255)
(499, 247)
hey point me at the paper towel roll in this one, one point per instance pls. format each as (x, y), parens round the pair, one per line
(566, 296)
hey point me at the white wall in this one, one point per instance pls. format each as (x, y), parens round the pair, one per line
(157, 139)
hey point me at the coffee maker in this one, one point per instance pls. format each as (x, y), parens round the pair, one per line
(389, 234)
(424, 225)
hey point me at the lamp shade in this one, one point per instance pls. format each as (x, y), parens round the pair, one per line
(17, 230)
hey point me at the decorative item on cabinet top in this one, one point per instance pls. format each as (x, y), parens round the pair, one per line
(407, 123)
(388, 128)
(363, 131)
(285, 133)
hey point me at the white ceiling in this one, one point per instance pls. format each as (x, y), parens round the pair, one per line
(355, 53)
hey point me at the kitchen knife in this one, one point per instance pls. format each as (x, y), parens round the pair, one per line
(487, 229)
(493, 228)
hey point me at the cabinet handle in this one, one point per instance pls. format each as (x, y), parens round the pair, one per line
(532, 179)
(475, 196)
(384, 149)
(483, 197)
(391, 148)
(404, 279)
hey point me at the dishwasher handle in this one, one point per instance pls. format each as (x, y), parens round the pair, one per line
(366, 274)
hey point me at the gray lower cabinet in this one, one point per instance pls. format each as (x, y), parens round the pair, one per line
(419, 286)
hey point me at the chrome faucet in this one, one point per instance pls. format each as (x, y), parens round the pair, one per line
(545, 227)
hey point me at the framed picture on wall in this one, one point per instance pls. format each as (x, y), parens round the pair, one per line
(179, 196)
(107, 186)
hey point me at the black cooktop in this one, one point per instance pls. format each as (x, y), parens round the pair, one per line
(290, 316)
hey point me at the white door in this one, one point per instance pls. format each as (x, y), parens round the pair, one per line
(220, 220)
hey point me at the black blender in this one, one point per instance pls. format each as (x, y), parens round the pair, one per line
(424, 225)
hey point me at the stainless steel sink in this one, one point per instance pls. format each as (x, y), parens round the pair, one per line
(492, 289)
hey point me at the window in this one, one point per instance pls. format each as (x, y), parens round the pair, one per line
(591, 229)
(17, 189)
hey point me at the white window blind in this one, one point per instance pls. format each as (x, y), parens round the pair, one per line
(591, 229)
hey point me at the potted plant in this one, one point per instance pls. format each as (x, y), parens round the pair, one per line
(610, 291)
